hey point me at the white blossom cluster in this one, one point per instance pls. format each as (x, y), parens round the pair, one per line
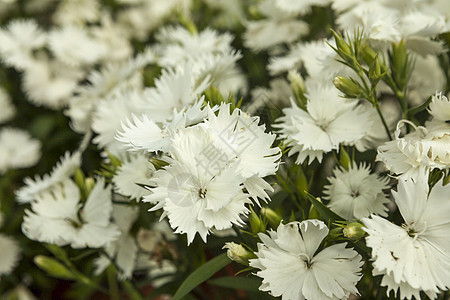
(227, 127)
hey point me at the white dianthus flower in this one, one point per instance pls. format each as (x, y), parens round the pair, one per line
(291, 266)
(356, 193)
(413, 257)
(18, 149)
(63, 169)
(327, 122)
(135, 169)
(419, 151)
(57, 216)
(10, 251)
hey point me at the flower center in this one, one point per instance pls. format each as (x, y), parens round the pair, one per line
(202, 193)
(305, 258)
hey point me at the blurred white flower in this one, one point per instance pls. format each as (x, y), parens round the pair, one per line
(7, 109)
(18, 41)
(76, 12)
(111, 79)
(63, 169)
(413, 257)
(439, 107)
(50, 83)
(300, 6)
(17, 149)
(328, 121)
(124, 250)
(135, 169)
(356, 193)
(10, 251)
(111, 112)
(277, 27)
(291, 267)
(426, 78)
(377, 135)
(174, 90)
(178, 45)
(58, 216)
(74, 46)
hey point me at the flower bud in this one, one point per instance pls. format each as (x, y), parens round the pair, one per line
(354, 231)
(298, 87)
(256, 223)
(238, 253)
(375, 71)
(350, 88)
(53, 267)
(272, 216)
(335, 233)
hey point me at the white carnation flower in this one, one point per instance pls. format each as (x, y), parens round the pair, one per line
(135, 169)
(17, 149)
(328, 121)
(198, 193)
(64, 168)
(57, 216)
(419, 151)
(356, 193)
(291, 267)
(18, 41)
(10, 251)
(413, 257)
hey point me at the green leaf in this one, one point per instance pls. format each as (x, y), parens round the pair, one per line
(326, 214)
(250, 284)
(201, 274)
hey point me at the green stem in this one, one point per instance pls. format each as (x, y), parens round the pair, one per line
(111, 274)
(377, 106)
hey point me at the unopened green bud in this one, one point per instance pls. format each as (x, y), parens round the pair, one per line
(400, 64)
(375, 72)
(53, 267)
(354, 231)
(298, 87)
(367, 53)
(343, 48)
(238, 253)
(256, 223)
(89, 184)
(272, 216)
(350, 88)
